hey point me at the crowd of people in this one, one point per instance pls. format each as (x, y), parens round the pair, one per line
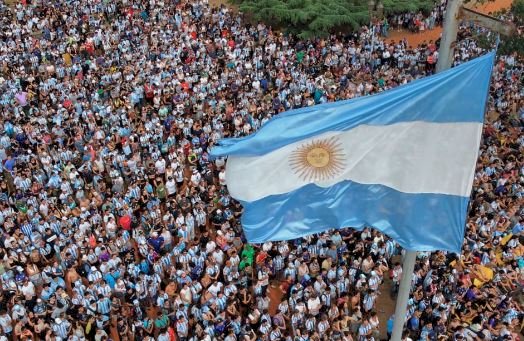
(416, 22)
(115, 224)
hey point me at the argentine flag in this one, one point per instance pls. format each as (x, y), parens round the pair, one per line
(401, 161)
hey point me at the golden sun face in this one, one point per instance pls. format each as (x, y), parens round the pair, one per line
(318, 160)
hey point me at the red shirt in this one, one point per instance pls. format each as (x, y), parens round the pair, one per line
(187, 148)
(90, 47)
(125, 222)
(150, 92)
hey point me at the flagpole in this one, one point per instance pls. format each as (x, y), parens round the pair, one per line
(446, 50)
(444, 62)
(404, 289)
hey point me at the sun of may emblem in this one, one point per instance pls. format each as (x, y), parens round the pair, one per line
(318, 160)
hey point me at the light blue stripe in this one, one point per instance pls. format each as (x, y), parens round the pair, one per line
(421, 222)
(456, 95)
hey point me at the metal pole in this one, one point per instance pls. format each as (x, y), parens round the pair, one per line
(371, 9)
(449, 35)
(403, 295)
(372, 46)
(445, 60)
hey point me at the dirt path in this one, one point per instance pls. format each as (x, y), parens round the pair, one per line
(218, 3)
(415, 39)
(385, 304)
(385, 307)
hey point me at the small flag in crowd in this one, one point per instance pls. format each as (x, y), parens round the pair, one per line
(401, 161)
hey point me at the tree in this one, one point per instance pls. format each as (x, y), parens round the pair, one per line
(314, 18)
(405, 6)
(514, 43)
(517, 9)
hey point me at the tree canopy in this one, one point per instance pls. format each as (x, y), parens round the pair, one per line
(514, 43)
(312, 18)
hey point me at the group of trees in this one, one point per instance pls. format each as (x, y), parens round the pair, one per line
(317, 18)
(510, 44)
(515, 43)
(313, 18)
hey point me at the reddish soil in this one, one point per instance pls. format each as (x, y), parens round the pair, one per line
(415, 39)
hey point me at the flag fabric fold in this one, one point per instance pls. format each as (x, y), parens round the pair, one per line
(401, 161)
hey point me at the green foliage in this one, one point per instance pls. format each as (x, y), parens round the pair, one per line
(514, 43)
(317, 18)
(405, 6)
(517, 8)
(511, 45)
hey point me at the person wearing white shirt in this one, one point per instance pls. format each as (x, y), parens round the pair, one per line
(19, 313)
(160, 166)
(163, 336)
(215, 288)
(179, 176)
(222, 177)
(314, 305)
(6, 322)
(170, 186)
(210, 246)
(218, 256)
(28, 290)
(196, 177)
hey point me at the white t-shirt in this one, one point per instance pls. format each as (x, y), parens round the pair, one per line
(28, 290)
(6, 323)
(215, 288)
(210, 246)
(313, 305)
(220, 162)
(171, 187)
(179, 175)
(222, 178)
(160, 166)
(218, 255)
(195, 178)
(163, 337)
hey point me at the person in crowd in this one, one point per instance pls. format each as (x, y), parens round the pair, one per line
(115, 223)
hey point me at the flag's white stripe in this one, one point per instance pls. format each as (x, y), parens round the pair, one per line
(411, 157)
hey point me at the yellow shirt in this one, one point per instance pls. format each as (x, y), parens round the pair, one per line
(67, 59)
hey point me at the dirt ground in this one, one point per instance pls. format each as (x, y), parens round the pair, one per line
(385, 305)
(415, 39)
(217, 3)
